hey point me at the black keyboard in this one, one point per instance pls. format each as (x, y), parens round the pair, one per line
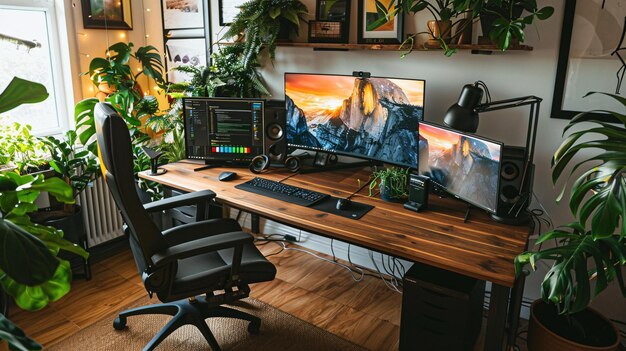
(280, 191)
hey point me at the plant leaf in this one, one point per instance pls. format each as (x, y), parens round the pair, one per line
(21, 91)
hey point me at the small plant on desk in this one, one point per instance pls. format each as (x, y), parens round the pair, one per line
(392, 183)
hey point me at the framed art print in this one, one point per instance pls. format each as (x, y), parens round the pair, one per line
(228, 9)
(374, 27)
(592, 57)
(107, 14)
(187, 52)
(183, 14)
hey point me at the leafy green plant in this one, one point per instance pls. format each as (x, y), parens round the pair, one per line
(21, 148)
(392, 182)
(260, 21)
(29, 270)
(506, 26)
(204, 81)
(598, 201)
(77, 167)
(240, 76)
(124, 95)
(115, 72)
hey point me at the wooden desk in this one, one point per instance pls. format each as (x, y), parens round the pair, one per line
(480, 248)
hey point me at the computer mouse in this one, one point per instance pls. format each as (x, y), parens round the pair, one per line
(343, 204)
(226, 176)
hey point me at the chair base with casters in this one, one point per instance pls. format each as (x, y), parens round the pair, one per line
(192, 311)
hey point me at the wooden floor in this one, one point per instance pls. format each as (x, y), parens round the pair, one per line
(324, 294)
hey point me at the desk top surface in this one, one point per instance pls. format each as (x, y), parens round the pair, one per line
(480, 248)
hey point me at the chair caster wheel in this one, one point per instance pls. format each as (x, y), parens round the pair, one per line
(253, 327)
(119, 323)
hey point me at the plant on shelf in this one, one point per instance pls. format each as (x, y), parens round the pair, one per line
(440, 29)
(391, 182)
(30, 270)
(502, 20)
(261, 22)
(598, 236)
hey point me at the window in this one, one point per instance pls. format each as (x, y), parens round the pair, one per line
(29, 49)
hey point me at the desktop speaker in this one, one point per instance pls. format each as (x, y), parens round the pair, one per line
(275, 131)
(514, 196)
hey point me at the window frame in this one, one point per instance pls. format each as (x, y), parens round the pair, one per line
(59, 59)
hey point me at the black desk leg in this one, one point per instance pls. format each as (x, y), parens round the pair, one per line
(514, 311)
(496, 320)
(255, 223)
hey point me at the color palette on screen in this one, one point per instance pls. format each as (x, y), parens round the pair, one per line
(231, 149)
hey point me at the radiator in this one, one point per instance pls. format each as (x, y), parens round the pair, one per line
(102, 219)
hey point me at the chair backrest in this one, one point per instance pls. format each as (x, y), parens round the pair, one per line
(116, 151)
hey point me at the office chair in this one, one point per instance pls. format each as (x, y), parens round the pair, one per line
(181, 263)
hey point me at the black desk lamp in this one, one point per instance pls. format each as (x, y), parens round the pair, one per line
(463, 116)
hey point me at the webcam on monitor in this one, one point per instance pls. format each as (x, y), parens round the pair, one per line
(361, 74)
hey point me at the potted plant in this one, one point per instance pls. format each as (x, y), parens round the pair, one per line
(20, 150)
(262, 22)
(598, 202)
(78, 168)
(119, 86)
(502, 21)
(392, 183)
(30, 270)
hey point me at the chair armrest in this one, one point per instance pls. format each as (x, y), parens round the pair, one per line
(201, 229)
(201, 246)
(193, 198)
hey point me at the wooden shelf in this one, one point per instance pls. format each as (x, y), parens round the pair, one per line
(394, 47)
(475, 48)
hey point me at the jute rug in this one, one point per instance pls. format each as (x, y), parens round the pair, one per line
(279, 331)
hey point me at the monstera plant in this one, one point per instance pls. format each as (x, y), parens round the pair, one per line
(593, 248)
(30, 270)
(118, 84)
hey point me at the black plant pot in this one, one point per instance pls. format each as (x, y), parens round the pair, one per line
(72, 225)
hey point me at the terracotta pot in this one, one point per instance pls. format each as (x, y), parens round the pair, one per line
(439, 29)
(542, 338)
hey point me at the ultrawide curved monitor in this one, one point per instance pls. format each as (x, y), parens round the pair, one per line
(373, 118)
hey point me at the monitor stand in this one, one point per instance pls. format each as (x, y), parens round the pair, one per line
(325, 162)
(218, 163)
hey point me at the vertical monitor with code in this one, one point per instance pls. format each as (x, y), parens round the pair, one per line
(223, 129)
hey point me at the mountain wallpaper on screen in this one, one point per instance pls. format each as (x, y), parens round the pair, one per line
(376, 119)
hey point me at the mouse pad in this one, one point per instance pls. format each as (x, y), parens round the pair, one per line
(356, 210)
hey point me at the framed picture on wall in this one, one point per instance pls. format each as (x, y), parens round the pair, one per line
(184, 51)
(183, 14)
(376, 28)
(592, 57)
(107, 14)
(228, 9)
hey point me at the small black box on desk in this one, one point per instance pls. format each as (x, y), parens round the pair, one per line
(441, 310)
